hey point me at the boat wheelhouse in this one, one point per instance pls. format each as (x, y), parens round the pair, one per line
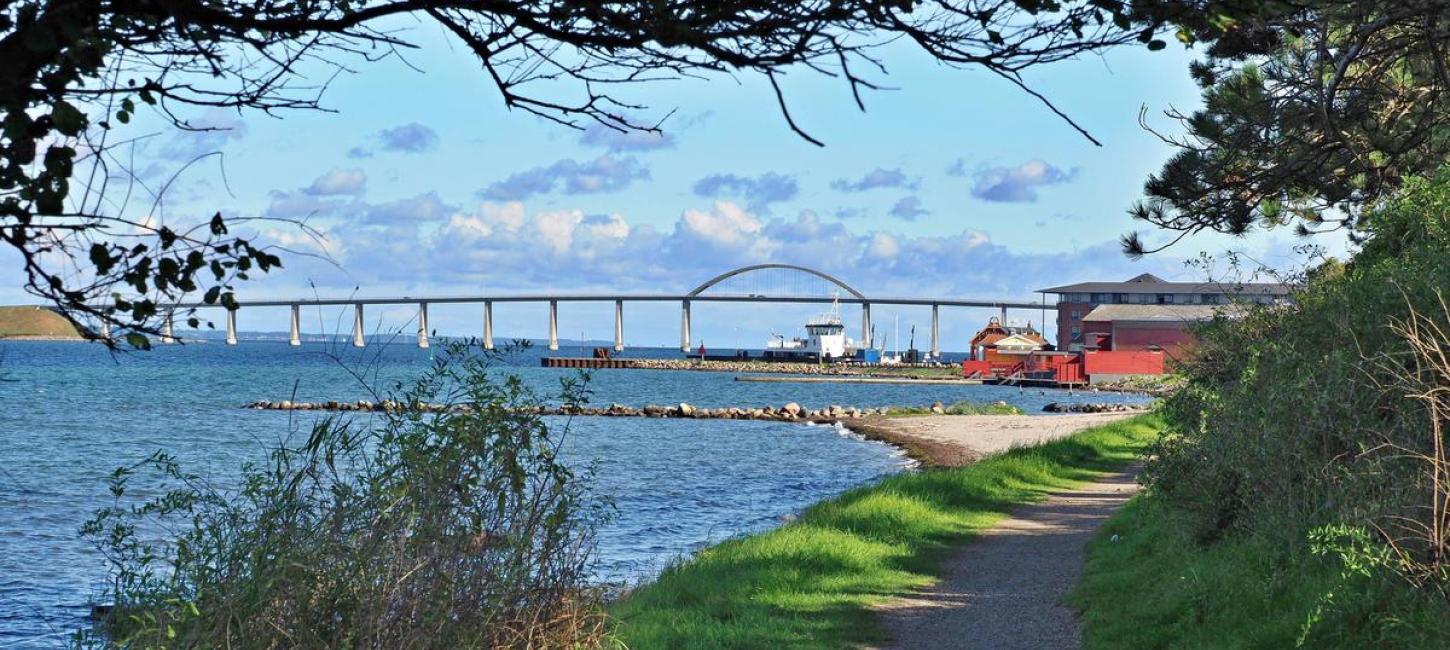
(825, 339)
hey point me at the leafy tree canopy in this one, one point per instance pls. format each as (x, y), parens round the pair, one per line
(1313, 111)
(76, 69)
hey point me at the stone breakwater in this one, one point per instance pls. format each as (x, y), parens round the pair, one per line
(1059, 407)
(938, 372)
(791, 412)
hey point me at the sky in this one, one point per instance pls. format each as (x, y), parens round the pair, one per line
(953, 184)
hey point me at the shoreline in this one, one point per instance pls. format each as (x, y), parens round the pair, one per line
(850, 379)
(944, 441)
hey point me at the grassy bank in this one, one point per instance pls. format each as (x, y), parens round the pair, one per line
(958, 408)
(27, 322)
(1156, 587)
(809, 583)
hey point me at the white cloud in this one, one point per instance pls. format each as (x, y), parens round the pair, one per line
(339, 181)
(505, 247)
(511, 214)
(1017, 184)
(883, 246)
(727, 224)
(557, 228)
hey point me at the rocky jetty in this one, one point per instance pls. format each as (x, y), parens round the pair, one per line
(791, 412)
(1059, 407)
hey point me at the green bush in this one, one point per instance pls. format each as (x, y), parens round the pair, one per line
(1330, 412)
(452, 529)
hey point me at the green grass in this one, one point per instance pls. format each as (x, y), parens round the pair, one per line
(1157, 588)
(926, 372)
(809, 583)
(959, 408)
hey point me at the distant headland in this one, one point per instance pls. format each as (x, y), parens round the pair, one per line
(34, 323)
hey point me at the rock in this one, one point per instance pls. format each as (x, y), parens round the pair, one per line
(285, 404)
(792, 408)
(653, 411)
(1001, 403)
(686, 410)
(938, 409)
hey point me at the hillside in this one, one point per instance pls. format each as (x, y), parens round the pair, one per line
(31, 322)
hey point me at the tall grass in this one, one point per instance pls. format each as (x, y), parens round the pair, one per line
(1149, 583)
(1294, 421)
(458, 528)
(810, 583)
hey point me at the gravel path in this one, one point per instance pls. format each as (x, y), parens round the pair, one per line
(1005, 588)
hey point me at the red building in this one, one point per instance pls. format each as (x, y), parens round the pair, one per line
(1147, 313)
(1005, 342)
(1135, 328)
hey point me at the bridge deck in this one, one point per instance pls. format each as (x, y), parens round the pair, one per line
(440, 300)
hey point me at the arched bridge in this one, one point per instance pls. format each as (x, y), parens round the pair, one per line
(716, 289)
(744, 270)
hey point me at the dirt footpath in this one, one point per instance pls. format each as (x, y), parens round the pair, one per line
(1005, 588)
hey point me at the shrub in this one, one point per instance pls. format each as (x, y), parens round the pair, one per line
(451, 529)
(1332, 411)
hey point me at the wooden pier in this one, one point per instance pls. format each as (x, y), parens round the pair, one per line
(586, 362)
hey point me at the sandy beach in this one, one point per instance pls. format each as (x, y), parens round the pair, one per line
(956, 440)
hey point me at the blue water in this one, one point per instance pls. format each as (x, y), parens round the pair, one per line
(70, 413)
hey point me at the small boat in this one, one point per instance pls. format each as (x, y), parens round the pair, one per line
(825, 339)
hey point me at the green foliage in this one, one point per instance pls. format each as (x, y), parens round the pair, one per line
(1149, 584)
(1311, 113)
(809, 583)
(1295, 418)
(957, 408)
(451, 529)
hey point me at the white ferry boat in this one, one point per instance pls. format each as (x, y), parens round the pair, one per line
(825, 339)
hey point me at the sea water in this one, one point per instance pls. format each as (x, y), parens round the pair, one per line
(70, 413)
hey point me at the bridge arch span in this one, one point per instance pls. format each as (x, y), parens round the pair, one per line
(757, 267)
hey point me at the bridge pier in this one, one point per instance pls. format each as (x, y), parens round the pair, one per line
(357, 326)
(231, 327)
(619, 326)
(423, 325)
(866, 325)
(1003, 320)
(935, 319)
(684, 326)
(554, 325)
(295, 336)
(488, 324)
(166, 329)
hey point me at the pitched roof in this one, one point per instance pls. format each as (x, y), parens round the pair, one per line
(1149, 283)
(1155, 313)
(1020, 340)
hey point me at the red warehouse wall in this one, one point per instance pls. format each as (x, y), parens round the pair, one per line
(1172, 339)
(1140, 362)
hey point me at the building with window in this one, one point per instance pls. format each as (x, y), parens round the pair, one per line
(1005, 342)
(1162, 314)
